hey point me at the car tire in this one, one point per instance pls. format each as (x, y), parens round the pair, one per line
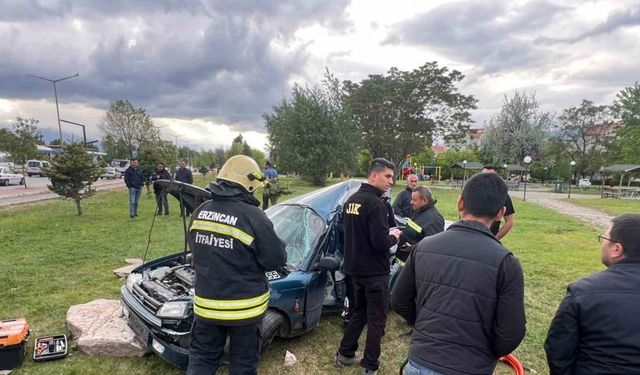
(4, 182)
(29, 174)
(271, 324)
(22, 181)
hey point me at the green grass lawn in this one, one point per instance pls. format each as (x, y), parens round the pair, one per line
(52, 259)
(610, 206)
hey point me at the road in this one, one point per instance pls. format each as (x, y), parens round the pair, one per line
(37, 190)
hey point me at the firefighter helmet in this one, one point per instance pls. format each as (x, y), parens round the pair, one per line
(242, 170)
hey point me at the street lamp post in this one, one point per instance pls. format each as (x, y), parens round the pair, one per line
(573, 163)
(464, 172)
(527, 161)
(84, 132)
(55, 92)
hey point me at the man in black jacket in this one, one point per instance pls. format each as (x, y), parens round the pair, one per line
(425, 219)
(462, 291)
(183, 174)
(160, 173)
(402, 205)
(134, 180)
(233, 244)
(367, 240)
(596, 329)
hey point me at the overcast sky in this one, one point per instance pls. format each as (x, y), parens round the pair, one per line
(210, 69)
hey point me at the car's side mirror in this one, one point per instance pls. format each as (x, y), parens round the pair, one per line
(327, 264)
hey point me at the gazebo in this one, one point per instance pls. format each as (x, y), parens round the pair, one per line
(468, 166)
(631, 170)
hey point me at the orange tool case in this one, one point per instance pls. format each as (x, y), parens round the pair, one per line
(13, 343)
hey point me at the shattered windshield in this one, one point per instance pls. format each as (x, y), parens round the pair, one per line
(299, 227)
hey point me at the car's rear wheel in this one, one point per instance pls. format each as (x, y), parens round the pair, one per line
(22, 181)
(271, 324)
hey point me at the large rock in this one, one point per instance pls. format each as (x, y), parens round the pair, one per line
(101, 329)
(124, 271)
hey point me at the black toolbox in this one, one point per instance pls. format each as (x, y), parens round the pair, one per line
(13, 343)
(47, 348)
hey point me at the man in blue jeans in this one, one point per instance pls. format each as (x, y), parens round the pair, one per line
(134, 181)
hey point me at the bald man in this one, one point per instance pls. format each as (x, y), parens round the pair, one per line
(402, 205)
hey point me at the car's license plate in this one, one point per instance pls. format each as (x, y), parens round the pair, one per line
(139, 330)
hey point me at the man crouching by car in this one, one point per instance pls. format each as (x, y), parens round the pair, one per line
(233, 244)
(462, 291)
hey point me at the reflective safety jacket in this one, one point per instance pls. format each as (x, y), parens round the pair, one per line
(424, 222)
(233, 244)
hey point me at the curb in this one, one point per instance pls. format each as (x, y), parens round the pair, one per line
(41, 192)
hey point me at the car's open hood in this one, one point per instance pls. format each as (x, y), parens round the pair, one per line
(192, 196)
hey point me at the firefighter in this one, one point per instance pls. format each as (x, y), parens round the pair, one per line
(233, 244)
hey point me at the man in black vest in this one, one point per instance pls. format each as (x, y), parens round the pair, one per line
(596, 329)
(462, 291)
(367, 240)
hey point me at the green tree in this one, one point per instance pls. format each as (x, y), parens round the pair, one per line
(364, 160)
(583, 133)
(126, 128)
(627, 109)
(221, 156)
(73, 173)
(401, 112)
(208, 158)
(21, 143)
(519, 130)
(311, 133)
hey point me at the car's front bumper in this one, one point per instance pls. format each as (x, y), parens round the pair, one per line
(145, 325)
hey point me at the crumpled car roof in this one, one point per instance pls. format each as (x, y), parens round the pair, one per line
(324, 201)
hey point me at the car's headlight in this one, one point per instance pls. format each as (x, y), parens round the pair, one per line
(173, 310)
(132, 279)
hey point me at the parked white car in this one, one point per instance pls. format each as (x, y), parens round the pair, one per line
(7, 177)
(584, 183)
(110, 173)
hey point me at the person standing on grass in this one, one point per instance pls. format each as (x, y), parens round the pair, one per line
(508, 214)
(134, 180)
(402, 205)
(183, 174)
(462, 291)
(233, 244)
(367, 239)
(269, 193)
(596, 329)
(160, 173)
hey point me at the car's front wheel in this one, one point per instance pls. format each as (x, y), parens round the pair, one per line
(4, 182)
(271, 324)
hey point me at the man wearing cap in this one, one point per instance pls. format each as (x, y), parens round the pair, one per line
(233, 243)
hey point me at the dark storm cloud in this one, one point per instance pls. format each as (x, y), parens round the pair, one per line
(226, 60)
(492, 36)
